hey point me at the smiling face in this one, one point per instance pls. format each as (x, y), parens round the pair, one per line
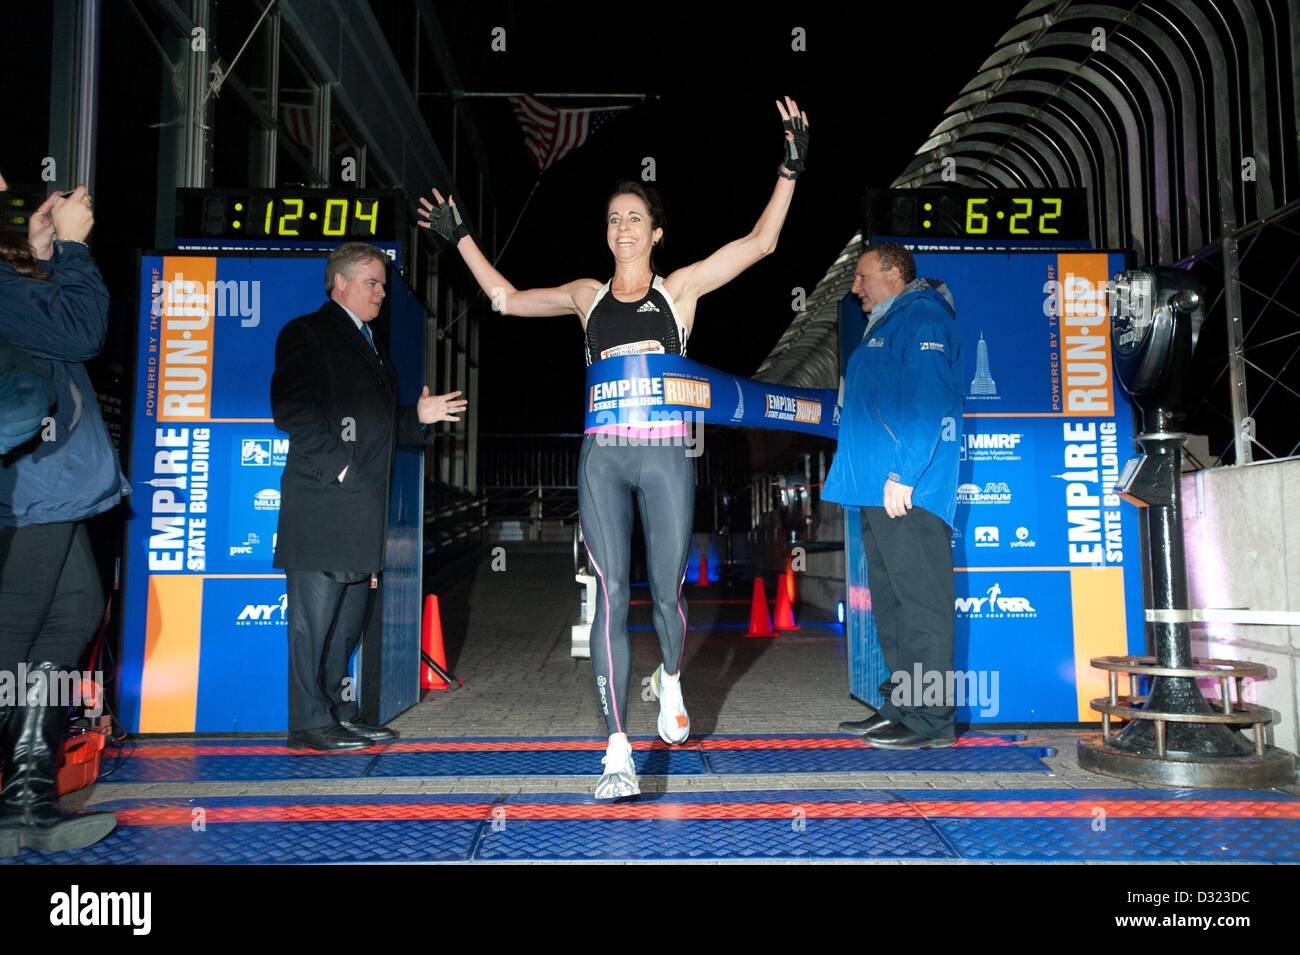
(629, 230)
(362, 291)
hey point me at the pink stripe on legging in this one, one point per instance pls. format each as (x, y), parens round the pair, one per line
(681, 613)
(609, 651)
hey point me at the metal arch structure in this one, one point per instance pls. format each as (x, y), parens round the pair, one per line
(807, 354)
(1193, 92)
(1180, 118)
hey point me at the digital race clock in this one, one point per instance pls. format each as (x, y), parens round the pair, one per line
(1059, 215)
(305, 215)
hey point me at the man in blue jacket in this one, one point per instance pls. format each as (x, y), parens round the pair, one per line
(53, 306)
(900, 437)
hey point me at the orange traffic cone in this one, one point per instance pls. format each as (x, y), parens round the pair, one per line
(431, 643)
(703, 580)
(789, 581)
(784, 606)
(760, 622)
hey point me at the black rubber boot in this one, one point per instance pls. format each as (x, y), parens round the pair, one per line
(10, 842)
(30, 814)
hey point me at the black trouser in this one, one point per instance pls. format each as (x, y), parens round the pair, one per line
(909, 574)
(51, 598)
(327, 613)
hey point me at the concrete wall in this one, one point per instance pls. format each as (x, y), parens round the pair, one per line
(821, 584)
(1241, 528)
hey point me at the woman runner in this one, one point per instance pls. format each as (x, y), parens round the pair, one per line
(635, 312)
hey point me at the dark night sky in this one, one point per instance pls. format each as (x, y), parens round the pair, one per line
(874, 80)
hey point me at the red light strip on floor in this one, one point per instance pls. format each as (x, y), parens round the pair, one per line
(190, 751)
(557, 812)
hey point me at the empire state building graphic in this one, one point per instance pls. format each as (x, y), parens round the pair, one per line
(982, 385)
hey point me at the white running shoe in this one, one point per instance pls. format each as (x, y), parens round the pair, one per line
(619, 779)
(674, 724)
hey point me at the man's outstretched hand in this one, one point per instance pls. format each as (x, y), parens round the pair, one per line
(433, 408)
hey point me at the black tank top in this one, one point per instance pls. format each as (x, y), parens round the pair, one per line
(647, 326)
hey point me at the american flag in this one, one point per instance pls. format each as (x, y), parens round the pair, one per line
(298, 120)
(551, 134)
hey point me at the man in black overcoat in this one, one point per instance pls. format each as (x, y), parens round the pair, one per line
(334, 392)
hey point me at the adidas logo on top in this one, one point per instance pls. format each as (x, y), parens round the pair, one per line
(648, 307)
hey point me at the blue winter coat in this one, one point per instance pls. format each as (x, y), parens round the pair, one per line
(902, 405)
(61, 323)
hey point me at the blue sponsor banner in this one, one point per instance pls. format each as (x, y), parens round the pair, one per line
(205, 624)
(655, 392)
(1048, 561)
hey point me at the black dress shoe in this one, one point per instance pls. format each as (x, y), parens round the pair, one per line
(863, 727)
(376, 734)
(329, 739)
(902, 736)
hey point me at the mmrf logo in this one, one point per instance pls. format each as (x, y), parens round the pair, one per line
(994, 492)
(994, 606)
(1023, 539)
(264, 615)
(263, 452)
(986, 537)
(267, 499)
(993, 446)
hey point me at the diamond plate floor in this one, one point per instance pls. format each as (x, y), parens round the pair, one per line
(236, 760)
(1031, 825)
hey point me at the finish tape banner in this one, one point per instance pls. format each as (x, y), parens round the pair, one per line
(654, 393)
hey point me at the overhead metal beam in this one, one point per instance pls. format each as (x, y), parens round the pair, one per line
(347, 49)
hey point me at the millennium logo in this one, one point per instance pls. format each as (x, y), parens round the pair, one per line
(982, 385)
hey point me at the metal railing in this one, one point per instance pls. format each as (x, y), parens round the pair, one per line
(1245, 376)
(531, 480)
(455, 522)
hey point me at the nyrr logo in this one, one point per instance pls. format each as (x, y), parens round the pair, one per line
(995, 446)
(264, 615)
(994, 606)
(267, 499)
(986, 537)
(263, 452)
(994, 492)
